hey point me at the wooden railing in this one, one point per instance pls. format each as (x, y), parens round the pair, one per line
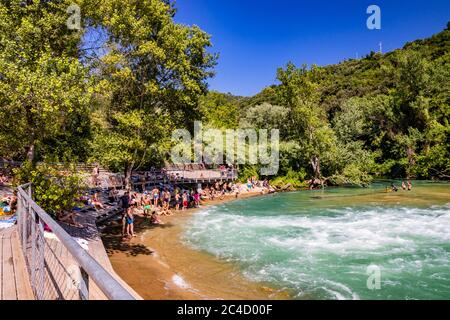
(59, 268)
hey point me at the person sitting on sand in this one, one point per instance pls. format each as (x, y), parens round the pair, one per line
(403, 185)
(155, 220)
(96, 202)
(68, 218)
(166, 201)
(113, 195)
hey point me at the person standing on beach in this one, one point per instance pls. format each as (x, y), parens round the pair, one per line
(130, 223)
(409, 185)
(125, 201)
(166, 202)
(177, 201)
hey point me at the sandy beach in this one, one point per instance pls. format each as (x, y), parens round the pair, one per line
(159, 266)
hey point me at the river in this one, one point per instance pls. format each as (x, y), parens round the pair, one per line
(337, 243)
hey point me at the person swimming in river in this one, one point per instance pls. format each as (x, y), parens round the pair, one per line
(409, 185)
(393, 187)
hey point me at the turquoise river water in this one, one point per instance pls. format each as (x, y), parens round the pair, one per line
(338, 243)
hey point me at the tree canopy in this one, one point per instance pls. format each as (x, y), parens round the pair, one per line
(113, 90)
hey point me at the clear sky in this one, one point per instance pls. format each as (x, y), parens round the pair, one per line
(255, 37)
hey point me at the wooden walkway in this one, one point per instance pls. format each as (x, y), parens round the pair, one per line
(14, 281)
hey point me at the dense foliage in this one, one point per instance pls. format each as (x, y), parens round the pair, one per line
(380, 116)
(55, 189)
(113, 91)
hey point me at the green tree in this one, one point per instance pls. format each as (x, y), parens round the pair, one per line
(308, 124)
(43, 89)
(154, 71)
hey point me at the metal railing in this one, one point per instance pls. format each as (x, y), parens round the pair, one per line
(59, 268)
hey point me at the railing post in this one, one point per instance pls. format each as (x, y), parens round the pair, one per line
(84, 285)
(41, 262)
(23, 214)
(33, 250)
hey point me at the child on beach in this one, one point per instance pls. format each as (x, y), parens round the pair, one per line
(147, 205)
(166, 203)
(185, 201)
(125, 201)
(155, 195)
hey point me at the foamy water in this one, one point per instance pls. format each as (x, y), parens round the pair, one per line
(321, 247)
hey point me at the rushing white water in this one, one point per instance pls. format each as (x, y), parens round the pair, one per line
(321, 248)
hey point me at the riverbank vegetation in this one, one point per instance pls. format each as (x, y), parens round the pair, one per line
(379, 116)
(113, 90)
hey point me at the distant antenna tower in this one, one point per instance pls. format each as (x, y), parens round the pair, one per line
(381, 47)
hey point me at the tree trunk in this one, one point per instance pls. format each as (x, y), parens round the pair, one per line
(411, 161)
(315, 163)
(317, 176)
(128, 172)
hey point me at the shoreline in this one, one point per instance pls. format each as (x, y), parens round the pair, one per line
(159, 266)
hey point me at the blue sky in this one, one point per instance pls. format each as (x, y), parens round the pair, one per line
(255, 37)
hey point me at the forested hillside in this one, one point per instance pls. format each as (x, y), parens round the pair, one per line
(112, 92)
(380, 116)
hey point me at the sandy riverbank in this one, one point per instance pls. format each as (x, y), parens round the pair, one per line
(159, 266)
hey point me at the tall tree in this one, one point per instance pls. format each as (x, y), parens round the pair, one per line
(43, 89)
(154, 70)
(308, 125)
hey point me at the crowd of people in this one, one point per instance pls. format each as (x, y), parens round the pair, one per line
(165, 200)
(405, 186)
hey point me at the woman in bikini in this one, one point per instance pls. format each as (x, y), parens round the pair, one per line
(155, 195)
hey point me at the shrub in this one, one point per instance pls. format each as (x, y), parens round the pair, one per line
(54, 189)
